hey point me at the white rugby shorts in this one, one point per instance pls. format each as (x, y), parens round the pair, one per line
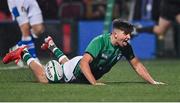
(69, 67)
(24, 11)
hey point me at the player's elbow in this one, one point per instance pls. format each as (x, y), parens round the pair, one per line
(81, 64)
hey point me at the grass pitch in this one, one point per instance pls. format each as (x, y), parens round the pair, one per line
(122, 85)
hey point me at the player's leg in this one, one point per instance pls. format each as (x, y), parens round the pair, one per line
(49, 44)
(18, 10)
(37, 25)
(35, 18)
(162, 27)
(35, 66)
(71, 71)
(178, 18)
(177, 36)
(158, 30)
(37, 30)
(27, 39)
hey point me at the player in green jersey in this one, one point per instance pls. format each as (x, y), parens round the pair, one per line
(101, 54)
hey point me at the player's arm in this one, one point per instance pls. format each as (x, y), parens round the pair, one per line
(85, 68)
(142, 71)
(138, 66)
(91, 52)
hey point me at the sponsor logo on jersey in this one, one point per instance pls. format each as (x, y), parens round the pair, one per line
(119, 56)
(100, 68)
(104, 56)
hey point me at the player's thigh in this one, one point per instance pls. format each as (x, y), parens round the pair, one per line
(36, 22)
(162, 26)
(38, 29)
(69, 68)
(178, 18)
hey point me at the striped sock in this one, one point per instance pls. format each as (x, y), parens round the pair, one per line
(30, 43)
(56, 51)
(59, 54)
(27, 57)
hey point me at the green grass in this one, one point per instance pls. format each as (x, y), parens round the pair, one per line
(122, 85)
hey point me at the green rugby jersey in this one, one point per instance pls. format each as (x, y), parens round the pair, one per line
(105, 55)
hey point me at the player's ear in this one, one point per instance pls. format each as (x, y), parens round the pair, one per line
(115, 36)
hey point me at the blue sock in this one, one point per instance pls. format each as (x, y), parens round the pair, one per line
(31, 46)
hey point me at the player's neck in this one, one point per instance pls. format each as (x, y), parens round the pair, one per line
(113, 41)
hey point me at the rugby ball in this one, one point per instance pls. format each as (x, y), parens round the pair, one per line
(53, 71)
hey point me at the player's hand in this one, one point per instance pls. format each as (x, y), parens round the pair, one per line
(158, 83)
(99, 84)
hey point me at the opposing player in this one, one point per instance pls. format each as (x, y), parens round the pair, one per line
(29, 18)
(169, 13)
(100, 55)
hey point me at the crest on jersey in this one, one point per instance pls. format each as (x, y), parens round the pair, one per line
(104, 56)
(119, 56)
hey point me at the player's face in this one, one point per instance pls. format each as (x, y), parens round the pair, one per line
(121, 38)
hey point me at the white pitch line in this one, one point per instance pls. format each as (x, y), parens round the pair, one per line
(11, 68)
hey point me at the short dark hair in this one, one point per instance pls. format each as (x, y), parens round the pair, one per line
(123, 25)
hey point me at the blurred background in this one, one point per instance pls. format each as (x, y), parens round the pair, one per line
(73, 23)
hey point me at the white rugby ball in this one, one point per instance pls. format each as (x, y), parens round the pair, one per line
(53, 70)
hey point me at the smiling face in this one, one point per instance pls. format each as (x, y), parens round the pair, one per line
(119, 38)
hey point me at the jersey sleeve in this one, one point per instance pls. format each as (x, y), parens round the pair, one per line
(128, 52)
(94, 47)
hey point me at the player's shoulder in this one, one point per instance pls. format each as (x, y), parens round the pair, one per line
(102, 37)
(98, 38)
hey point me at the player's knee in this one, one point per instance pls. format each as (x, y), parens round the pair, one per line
(38, 30)
(159, 30)
(25, 28)
(178, 18)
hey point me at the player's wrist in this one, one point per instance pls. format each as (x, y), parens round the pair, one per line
(100, 84)
(157, 83)
(154, 82)
(93, 83)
